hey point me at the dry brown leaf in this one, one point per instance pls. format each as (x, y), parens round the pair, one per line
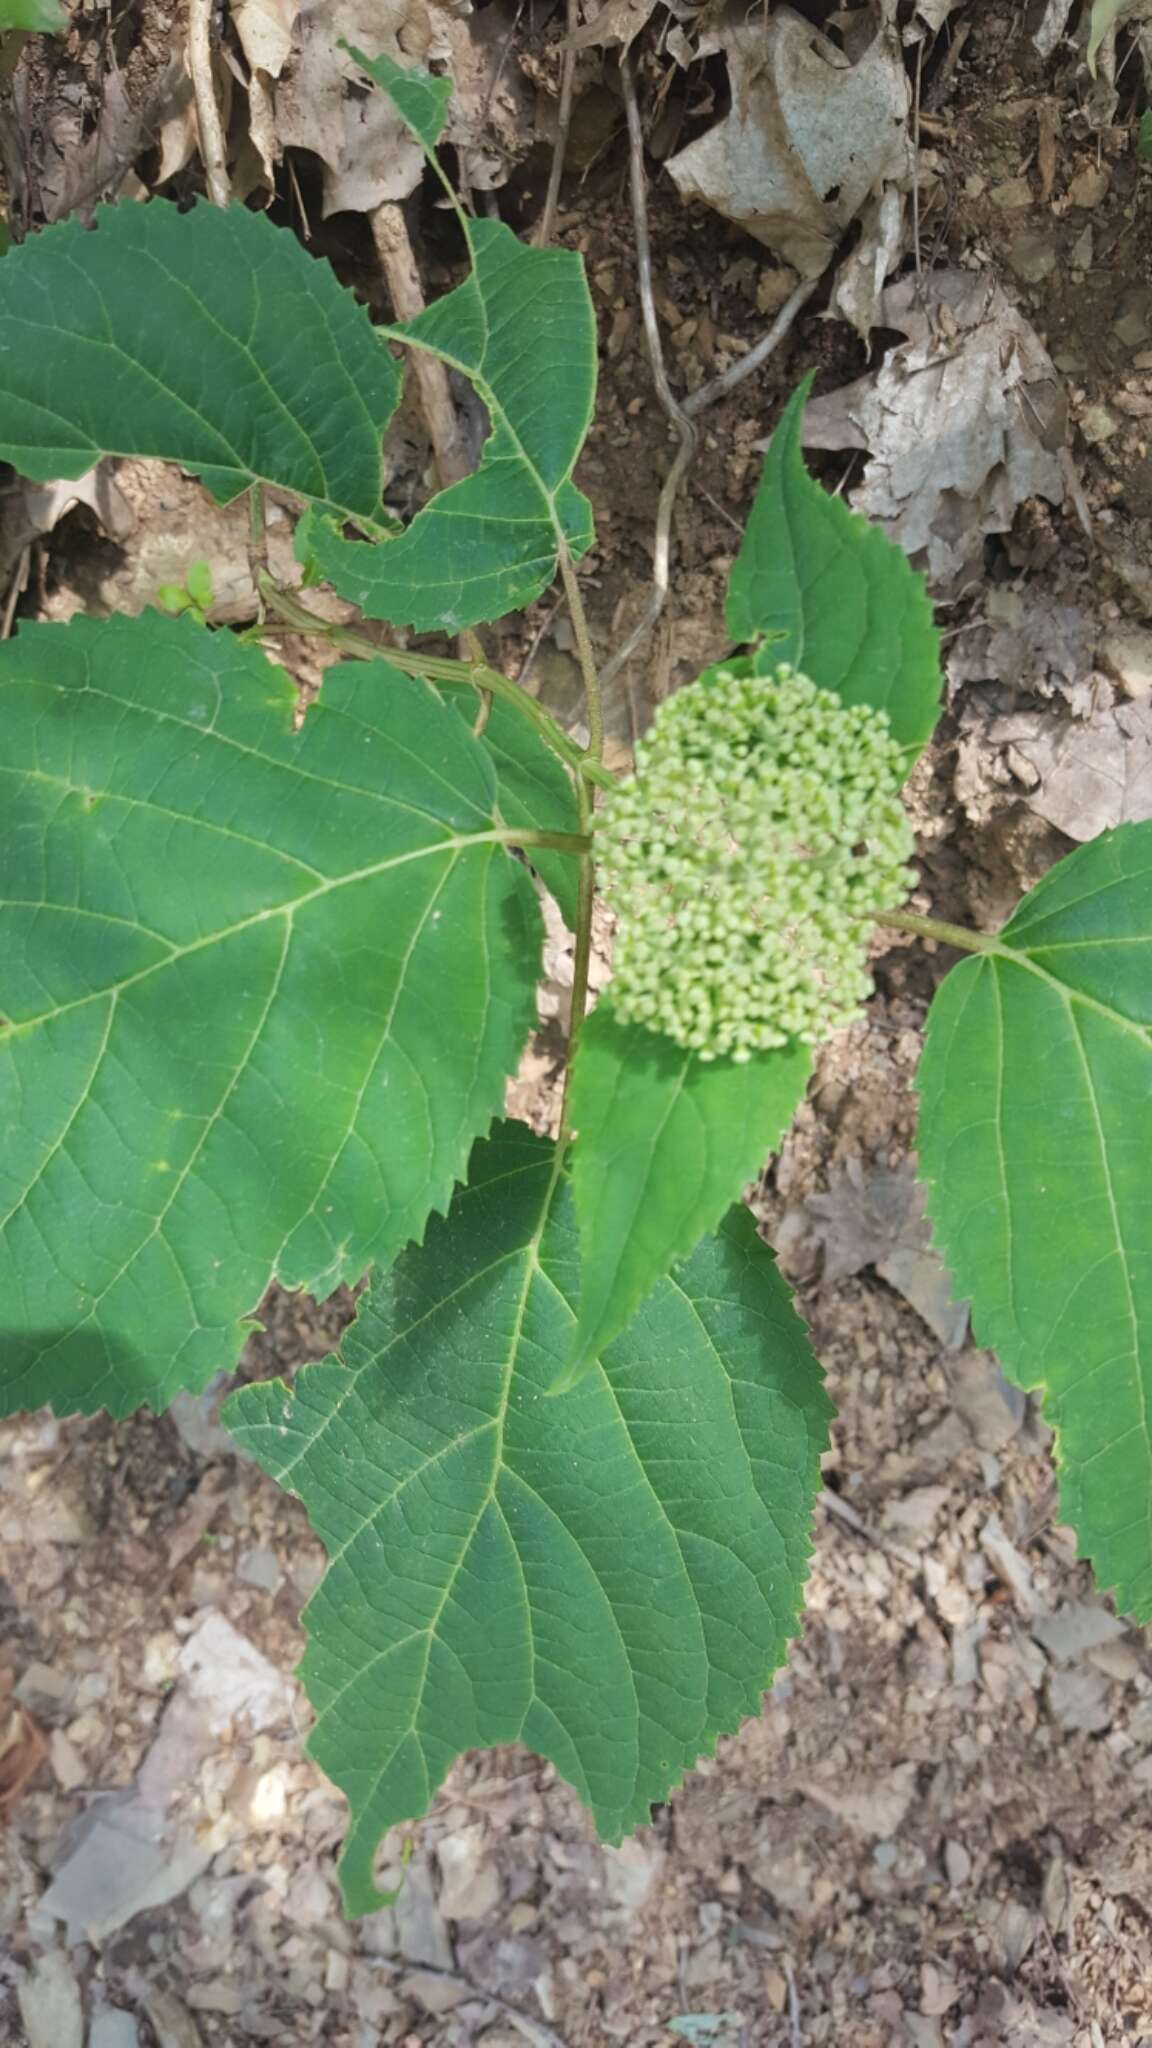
(808, 139)
(1082, 776)
(324, 104)
(22, 1751)
(264, 28)
(962, 422)
(616, 21)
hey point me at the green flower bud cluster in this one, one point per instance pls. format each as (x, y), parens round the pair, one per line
(762, 826)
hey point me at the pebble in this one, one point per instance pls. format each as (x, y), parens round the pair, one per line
(112, 2028)
(1089, 187)
(259, 1567)
(49, 2001)
(1126, 654)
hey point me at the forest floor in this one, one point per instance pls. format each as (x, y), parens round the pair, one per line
(938, 1831)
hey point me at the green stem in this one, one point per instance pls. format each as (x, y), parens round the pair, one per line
(578, 843)
(582, 958)
(933, 928)
(592, 693)
(437, 669)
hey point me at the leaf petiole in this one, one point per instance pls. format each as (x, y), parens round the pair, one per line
(959, 935)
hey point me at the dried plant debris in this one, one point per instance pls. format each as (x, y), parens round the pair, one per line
(1081, 775)
(874, 1216)
(1028, 643)
(323, 103)
(962, 422)
(809, 138)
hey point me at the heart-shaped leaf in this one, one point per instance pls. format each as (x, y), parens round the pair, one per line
(260, 991)
(1036, 1143)
(610, 1577)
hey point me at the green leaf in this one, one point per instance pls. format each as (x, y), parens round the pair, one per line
(1144, 136)
(1104, 13)
(665, 1141)
(521, 328)
(842, 599)
(38, 17)
(533, 789)
(610, 1578)
(261, 991)
(419, 96)
(210, 338)
(1036, 1142)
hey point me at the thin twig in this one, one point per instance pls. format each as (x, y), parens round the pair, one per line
(720, 386)
(208, 120)
(670, 404)
(916, 159)
(547, 221)
(593, 682)
(535, 2030)
(398, 262)
(537, 641)
(795, 2036)
(16, 589)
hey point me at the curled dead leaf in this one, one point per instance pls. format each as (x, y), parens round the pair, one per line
(809, 138)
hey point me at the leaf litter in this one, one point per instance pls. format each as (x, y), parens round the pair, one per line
(866, 1610)
(961, 423)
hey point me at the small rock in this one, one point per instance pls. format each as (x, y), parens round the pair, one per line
(1016, 1930)
(1089, 187)
(1080, 1700)
(993, 1409)
(469, 1888)
(631, 1871)
(1119, 1661)
(1009, 1565)
(1075, 1628)
(957, 1864)
(337, 1971)
(220, 1994)
(1098, 424)
(49, 2001)
(1056, 1894)
(259, 1567)
(161, 1659)
(875, 1808)
(772, 289)
(1016, 193)
(435, 1994)
(112, 2028)
(1131, 328)
(421, 1935)
(232, 1678)
(915, 1515)
(67, 1763)
(1083, 251)
(43, 1689)
(922, 2032)
(1031, 258)
(1126, 655)
(194, 1417)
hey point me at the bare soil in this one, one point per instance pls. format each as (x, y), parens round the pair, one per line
(937, 1833)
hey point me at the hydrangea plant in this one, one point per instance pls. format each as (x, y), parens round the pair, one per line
(263, 984)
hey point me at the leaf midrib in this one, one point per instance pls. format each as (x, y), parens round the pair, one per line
(998, 951)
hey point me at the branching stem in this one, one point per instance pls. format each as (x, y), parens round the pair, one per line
(287, 608)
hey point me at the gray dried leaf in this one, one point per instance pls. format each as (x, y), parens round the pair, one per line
(962, 422)
(809, 137)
